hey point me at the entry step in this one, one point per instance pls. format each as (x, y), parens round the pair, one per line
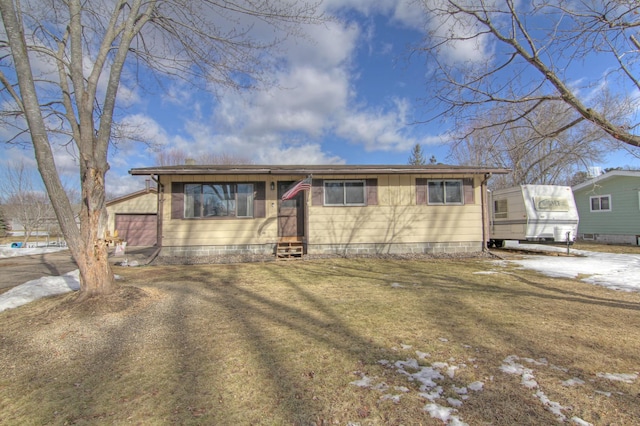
(289, 250)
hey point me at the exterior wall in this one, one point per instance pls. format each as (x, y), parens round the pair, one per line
(622, 223)
(212, 235)
(146, 203)
(396, 224)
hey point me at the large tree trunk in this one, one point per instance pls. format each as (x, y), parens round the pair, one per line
(96, 275)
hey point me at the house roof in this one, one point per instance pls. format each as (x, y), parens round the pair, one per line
(606, 176)
(132, 195)
(313, 169)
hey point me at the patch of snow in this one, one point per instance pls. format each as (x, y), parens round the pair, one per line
(454, 402)
(364, 382)
(422, 355)
(459, 391)
(612, 270)
(37, 289)
(394, 398)
(439, 412)
(476, 386)
(621, 377)
(580, 422)
(552, 406)
(433, 395)
(573, 382)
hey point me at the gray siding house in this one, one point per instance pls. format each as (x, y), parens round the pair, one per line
(609, 208)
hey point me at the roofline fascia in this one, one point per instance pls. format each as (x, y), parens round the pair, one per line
(605, 176)
(364, 170)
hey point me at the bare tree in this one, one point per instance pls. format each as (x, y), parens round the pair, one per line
(25, 202)
(524, 145)
(64, 61)
(492, 53)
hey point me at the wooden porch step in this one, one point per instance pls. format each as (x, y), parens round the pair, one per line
(286, 250)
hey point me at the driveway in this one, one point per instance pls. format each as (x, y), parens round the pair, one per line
(18, 270)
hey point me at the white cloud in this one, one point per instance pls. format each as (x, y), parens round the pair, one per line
(378, 130)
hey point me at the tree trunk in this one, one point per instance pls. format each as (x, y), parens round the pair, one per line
(96, 275)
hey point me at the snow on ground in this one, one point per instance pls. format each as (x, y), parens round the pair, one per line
(429, 377)
(7, 251)
(616, 271)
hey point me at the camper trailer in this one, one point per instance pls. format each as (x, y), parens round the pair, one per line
(533, 213)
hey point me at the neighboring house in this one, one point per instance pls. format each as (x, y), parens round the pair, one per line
(609, 207)
(217, 210)
(135, 217)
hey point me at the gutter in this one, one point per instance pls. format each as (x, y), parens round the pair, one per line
(485, 212)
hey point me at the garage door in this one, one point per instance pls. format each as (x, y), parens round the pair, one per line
(137, 229)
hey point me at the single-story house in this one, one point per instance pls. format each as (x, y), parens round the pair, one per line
(609, 207)
(134, 217)
(343, 209)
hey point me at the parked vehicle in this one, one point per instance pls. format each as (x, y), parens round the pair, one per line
(533, 213)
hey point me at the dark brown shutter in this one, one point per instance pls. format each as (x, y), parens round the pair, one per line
(372, 192)
(421, 191)
(177, 200)
(259, 201)
(317, 192)
(469, 195)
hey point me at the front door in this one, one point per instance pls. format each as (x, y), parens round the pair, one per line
(290, 213)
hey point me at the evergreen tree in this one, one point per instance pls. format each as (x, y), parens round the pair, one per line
(417, 157)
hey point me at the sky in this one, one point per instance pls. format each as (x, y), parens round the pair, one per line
(615, 271)
(348, 93)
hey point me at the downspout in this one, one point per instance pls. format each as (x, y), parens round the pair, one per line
(485, 213)
(160, 203)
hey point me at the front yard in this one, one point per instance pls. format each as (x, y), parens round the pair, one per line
(341, 341)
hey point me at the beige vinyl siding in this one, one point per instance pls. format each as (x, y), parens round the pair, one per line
(219, 231)
(396, 218)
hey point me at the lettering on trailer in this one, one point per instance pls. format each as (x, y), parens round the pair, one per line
(551, 204)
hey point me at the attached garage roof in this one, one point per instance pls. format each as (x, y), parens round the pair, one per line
(313, 169)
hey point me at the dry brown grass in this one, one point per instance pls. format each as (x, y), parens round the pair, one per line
(280, 343)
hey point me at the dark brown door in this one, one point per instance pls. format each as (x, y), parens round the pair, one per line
(290, 213)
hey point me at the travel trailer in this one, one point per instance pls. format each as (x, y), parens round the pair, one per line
(533, 213)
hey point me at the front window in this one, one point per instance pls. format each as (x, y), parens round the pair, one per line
(601, 203)
(203, 200)
(445, 191)
(344, 193)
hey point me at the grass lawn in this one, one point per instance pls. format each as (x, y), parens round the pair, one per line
(340, 341)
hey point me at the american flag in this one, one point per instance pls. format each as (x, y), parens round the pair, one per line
(293, 190)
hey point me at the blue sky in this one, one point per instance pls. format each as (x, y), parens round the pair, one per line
(347, 94)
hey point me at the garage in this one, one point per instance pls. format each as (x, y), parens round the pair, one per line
(137, 229)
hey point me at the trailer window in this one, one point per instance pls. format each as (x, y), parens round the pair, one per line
(601, 203)
(445, 191)
(500, 209)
